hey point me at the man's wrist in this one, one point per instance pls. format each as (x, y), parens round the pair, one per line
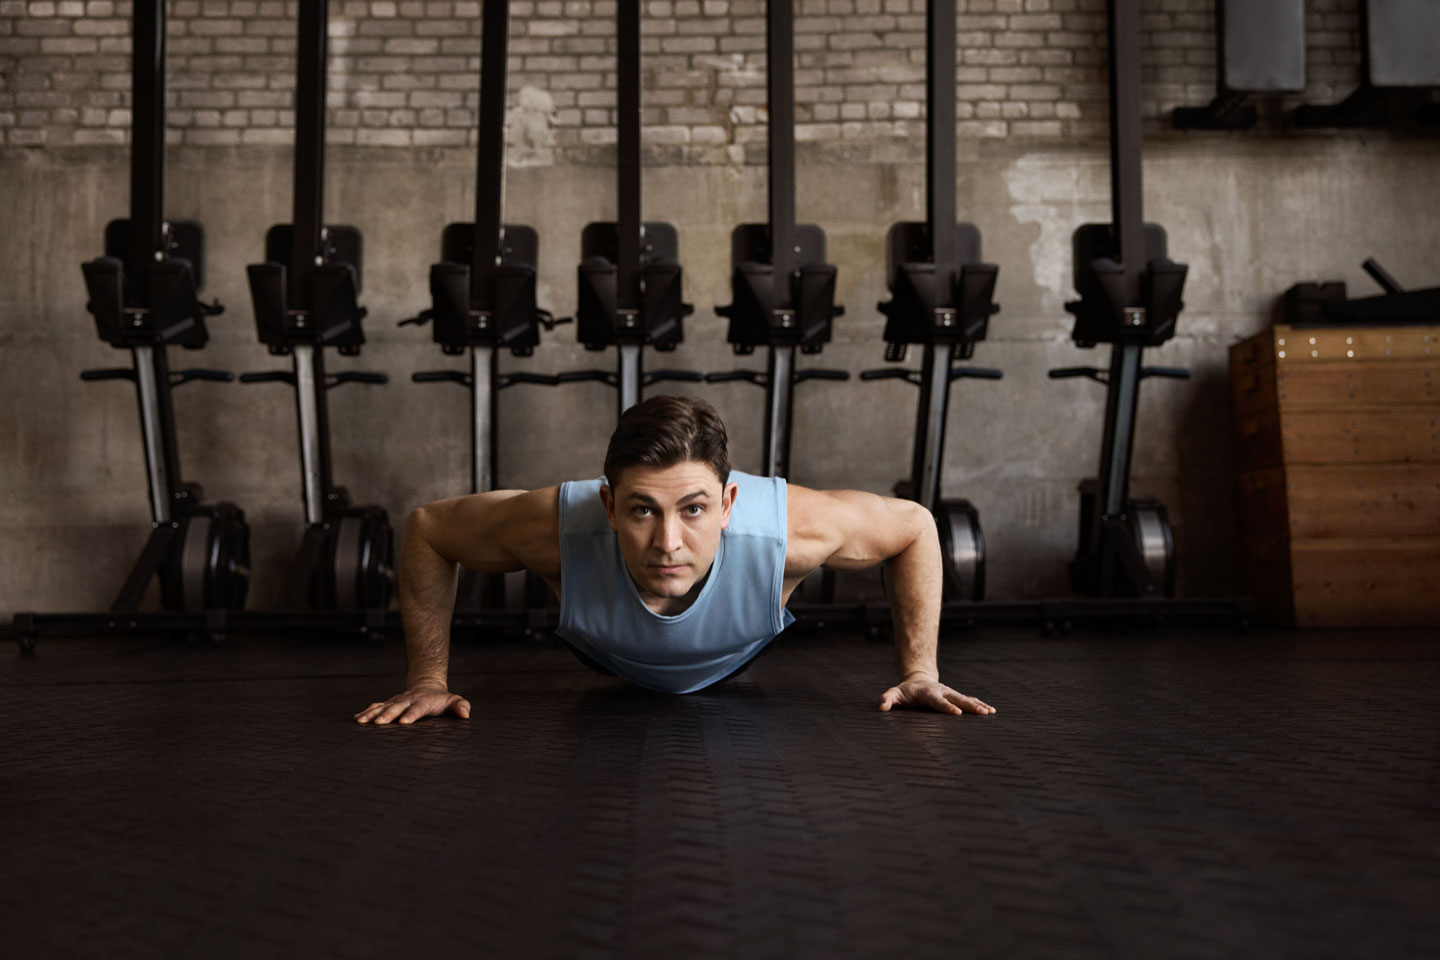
(931, 675)
(427, 680)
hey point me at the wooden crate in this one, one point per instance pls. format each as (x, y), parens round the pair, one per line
(1337, 451)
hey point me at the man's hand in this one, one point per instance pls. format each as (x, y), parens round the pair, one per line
(923, 692)
(415, 704)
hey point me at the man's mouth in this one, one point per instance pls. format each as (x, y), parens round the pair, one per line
(667, 569)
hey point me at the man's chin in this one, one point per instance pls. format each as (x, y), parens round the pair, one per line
(676, 585)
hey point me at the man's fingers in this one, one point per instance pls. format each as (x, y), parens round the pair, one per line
(969, 703)
(940, 702)
(416, 711)
(460, 707)
(889, 698)
(369, 713)
(392, 710)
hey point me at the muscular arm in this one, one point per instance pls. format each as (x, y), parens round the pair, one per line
(852, 530)
(495, 532)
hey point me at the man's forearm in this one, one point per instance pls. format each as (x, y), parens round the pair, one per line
(916, 583)
(427, 602)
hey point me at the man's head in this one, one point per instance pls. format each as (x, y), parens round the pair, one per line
(668, 495)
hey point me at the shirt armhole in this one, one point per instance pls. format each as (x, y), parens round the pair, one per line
(566, 594)
(777, 608)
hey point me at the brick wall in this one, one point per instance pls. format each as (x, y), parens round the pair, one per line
(404, 74)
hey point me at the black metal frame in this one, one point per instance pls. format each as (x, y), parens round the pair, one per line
(783, 292)
(942, 294)
(483, 288)
(306, 299)
(1326, 305)
(630, 283)
(142, 295)
(942, 298)
(1129, 297)
(483, 293)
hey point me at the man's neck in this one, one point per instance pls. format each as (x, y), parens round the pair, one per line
(673, 606)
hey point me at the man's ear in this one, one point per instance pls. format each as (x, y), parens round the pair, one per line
(727, 503)
(607, 497)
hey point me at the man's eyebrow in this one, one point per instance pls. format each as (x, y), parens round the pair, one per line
(636, 496)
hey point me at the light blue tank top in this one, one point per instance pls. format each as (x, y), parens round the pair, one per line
(738, 611)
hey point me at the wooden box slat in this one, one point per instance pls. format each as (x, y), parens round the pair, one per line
(1366, 581)
(1373, 435)
(1366, 500)
(1357, 384)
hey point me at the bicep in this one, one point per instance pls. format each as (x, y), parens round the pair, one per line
(851, 529)
(493, 532)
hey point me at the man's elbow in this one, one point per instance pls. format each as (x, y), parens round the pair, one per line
(419, 525)
(920, 522)
(914, 525)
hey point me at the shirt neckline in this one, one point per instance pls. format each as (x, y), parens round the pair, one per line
(710, 580)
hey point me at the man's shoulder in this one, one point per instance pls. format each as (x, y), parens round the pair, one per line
(760, 505)
(531, 511)
(579, 509)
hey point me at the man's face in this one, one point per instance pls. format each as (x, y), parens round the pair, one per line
(668, 522)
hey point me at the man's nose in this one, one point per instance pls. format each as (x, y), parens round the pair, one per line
(667, 535)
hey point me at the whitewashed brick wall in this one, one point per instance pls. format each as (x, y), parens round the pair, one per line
(404, 74)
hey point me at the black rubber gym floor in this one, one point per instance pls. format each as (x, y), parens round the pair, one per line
(1172, 794)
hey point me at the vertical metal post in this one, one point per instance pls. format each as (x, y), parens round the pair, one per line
(490, 177)
(484, 385)
(630, 375)
(1128, 223)
(780, 98)
(779, 398)
(930, 426)
(313, 426)
(307, 220)
(152, 382)
(147, 147)
(940, 144)
(627, 220)
(1121, 400)
(1126, 193)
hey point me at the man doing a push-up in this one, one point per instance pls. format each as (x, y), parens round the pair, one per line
(672, 570)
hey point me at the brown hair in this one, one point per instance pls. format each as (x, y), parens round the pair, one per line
(663, 431)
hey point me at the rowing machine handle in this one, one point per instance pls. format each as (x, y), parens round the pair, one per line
(441, 376)
(976, 373)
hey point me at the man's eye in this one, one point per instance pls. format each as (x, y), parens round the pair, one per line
(695, 509)
(641, 511)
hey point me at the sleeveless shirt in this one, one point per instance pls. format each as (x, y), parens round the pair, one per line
(737, 612)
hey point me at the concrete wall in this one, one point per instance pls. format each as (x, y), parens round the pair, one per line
(1250, 217)
(1250, 212)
